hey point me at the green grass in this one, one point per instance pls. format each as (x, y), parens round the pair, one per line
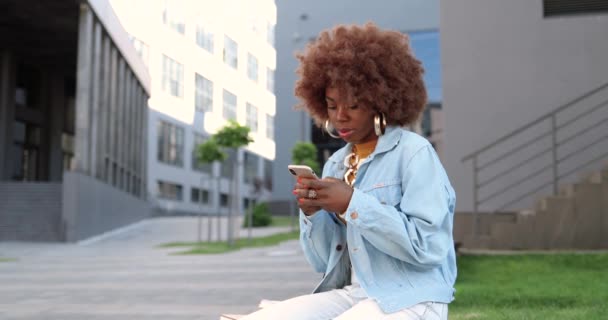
(549, 286)
(222, 247)
(6, 259)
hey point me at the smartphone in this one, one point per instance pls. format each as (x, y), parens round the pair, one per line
(303, 171)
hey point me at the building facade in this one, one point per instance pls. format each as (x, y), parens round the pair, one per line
(506, 64)
(210, 62)
(73, 118)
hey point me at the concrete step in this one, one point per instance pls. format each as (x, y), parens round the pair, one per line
(588, 208)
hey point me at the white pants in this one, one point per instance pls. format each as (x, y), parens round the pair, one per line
(340, 304)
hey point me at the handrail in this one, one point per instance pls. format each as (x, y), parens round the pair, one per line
(532, 123)
(519, 142)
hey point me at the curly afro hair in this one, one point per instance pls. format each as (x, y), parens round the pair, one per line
(376, 67)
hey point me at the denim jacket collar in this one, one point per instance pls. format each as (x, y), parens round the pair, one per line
(386, 142)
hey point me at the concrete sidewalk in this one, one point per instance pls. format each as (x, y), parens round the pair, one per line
(124, 276)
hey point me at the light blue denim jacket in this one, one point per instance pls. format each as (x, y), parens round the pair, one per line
(399, 234)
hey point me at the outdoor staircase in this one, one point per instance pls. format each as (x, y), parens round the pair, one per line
(576, 218)
(545, 160)
(30, 211)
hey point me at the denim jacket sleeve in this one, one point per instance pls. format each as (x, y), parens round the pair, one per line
(417, 229)
(316, 238)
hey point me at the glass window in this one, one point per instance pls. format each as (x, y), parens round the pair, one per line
(203, 94)
(251, 167)
(141, 49)
(270, 33)
(268, 164)
(199, 195)
(173, 16)
(173, 77)
(270, 80)
(252, 117)
(204, 38)
(170, 191)
(224, 200)
(203, 167)
(269, 127)
(252, 67)
(227, 165)
(229, 110)
(170, 144)
(231, 52)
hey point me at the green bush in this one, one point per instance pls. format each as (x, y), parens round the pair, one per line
(261, 216)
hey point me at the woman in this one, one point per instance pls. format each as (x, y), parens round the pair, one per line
(379, 223)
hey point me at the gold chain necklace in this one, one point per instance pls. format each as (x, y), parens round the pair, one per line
(351, 161)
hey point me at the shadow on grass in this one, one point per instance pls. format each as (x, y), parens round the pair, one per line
(222, 247)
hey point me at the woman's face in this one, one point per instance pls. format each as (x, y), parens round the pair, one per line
(354, 123)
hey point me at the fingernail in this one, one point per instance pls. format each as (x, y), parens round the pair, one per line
(294, 191)
(300, 200)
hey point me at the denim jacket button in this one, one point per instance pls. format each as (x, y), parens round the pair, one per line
(339, 247)
(354, 215)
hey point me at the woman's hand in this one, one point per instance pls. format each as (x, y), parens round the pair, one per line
(332, 195)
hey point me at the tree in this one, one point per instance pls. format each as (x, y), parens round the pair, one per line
(306, 153)
(303, 153)
(209, 152)
(233, 136)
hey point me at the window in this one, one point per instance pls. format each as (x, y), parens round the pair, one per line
(173, 16)
(173, 77)
(169, 191)
(270, 33)
(268, 164)
(251, 167)
(252, 117)
(204, 38)
(141, 49)
(569, 7)
(231, 52)
(202, 167)
(229, 110)
(203, 94)
(199, 196)
(224, 200)
(170, 144)
(270, 80)
(227, 165)
(269, 127)
(252, 67)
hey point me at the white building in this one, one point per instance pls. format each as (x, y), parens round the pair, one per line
(209, 61)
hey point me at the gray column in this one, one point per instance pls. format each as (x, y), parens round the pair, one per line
(119, 122)
(96, 82)
(104, 112)
(82, 139)
(111, 146)
(145, 118)
(56, 119)
(127, 130)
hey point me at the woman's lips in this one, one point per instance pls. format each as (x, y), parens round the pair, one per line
(345, 133)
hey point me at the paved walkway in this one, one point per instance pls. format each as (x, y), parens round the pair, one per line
(125, 276)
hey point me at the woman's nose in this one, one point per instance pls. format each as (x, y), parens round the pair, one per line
(342, 113)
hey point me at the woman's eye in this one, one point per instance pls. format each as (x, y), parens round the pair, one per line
(331, 107)
(354, 107)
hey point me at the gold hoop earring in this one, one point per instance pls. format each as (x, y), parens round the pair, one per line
(329, 130)
(379, 124)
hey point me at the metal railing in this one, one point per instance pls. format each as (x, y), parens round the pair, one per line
(524, 146)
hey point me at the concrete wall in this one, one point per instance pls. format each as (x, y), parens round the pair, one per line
(505, 65)
(91, 207)
(292, 33)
